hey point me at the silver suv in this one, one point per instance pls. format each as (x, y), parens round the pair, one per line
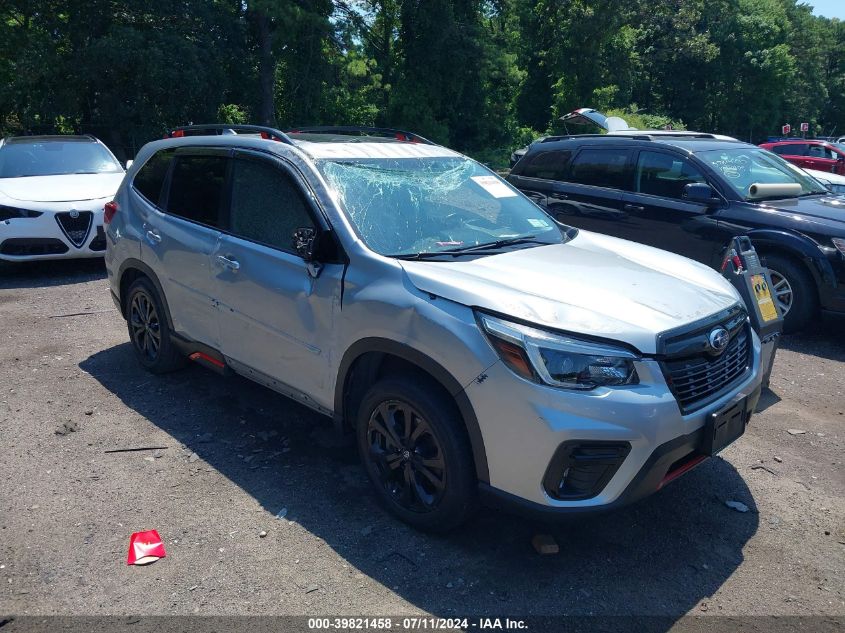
(475, 347)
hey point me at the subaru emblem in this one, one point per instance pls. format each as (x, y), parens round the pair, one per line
(74, 214)
(719, 339)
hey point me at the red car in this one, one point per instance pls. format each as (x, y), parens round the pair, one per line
(809, 154)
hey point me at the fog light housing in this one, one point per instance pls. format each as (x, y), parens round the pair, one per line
(581, 469)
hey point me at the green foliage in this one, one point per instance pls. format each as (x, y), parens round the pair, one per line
(644, 121)
(484, 76)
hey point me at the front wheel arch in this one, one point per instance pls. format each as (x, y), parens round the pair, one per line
(367, 358)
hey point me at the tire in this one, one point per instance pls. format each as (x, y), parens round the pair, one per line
(794, 290)
(405, 462)
(149, 332)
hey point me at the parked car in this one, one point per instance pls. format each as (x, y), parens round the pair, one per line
(833, 182)
(811, 154)
(473, 345)
(690, 194)
(52, 192)
(589, 117)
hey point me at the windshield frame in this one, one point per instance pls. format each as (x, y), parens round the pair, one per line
(102, 149)
(784, 166)
(558, 232)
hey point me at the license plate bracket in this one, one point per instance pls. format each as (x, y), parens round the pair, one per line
(725, 427)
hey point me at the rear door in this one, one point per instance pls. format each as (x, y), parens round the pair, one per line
(591, 197)
(275, 315)
(180, 235)
(660, 215)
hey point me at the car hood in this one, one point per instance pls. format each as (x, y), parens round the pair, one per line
(826, 207)
(826, 176)
(594, 285)
(63, 188)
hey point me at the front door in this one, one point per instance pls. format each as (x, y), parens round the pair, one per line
(821, 158)
(276, 317)
(661, 216)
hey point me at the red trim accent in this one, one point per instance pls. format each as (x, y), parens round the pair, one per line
(207, 359)
(680, 470)
(177, 134)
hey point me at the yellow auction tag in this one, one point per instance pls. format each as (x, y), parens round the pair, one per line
(764, 298)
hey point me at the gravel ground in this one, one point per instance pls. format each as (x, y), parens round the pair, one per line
(234, 455)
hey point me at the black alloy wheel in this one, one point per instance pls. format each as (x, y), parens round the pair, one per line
(145, 326)
(407, 455)
(149, 331)
(416, 451)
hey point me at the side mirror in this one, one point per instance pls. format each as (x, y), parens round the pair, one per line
(700, 193)
(303, 243)
(129, 163)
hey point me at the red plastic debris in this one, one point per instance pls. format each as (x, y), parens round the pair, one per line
(145, 548)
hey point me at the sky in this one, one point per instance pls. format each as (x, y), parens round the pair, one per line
(828, 8)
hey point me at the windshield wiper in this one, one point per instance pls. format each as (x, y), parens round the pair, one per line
(457, 252)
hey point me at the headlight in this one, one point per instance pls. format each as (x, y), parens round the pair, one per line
(8, 213)
(839, 243)
(557, 360)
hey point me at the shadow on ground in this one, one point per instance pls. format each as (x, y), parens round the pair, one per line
(57, 272)
(663, 556)
(823, 338)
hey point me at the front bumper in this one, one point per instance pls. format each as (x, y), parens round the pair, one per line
(524, 424)
(27, 239)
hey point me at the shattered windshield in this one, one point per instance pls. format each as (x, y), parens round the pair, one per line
(412, 206)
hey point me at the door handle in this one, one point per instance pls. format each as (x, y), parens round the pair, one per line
(153, 237)
(232, 264)
(634, 208)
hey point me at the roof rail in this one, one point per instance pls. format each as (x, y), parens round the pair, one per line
(362, 130)
(216, 129)
(641, 136)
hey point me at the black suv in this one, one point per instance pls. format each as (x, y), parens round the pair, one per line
(690, 193)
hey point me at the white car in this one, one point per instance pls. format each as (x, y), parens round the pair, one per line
(834, 182)
(52, 192)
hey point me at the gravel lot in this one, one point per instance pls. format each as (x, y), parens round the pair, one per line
(236, 454)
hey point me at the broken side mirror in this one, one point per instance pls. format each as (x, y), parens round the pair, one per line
(303, 243)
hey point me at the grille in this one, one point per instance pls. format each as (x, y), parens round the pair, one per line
(75, 229)
(698, 380)
(99, 241)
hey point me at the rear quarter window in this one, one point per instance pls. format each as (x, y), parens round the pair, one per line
(149, 180)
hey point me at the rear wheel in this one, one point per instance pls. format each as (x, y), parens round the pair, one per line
(416, 452)
(148, 329)
(794, 290)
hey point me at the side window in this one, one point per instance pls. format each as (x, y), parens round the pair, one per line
(267, 206)
(780, 149)
(150, 178)
(818, 151)
(548, 165)
(665, 175)
(795, 149)
(196, 188)
(601, 168)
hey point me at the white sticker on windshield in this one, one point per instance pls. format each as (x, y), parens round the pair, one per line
(537, 223)
(494, 186)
